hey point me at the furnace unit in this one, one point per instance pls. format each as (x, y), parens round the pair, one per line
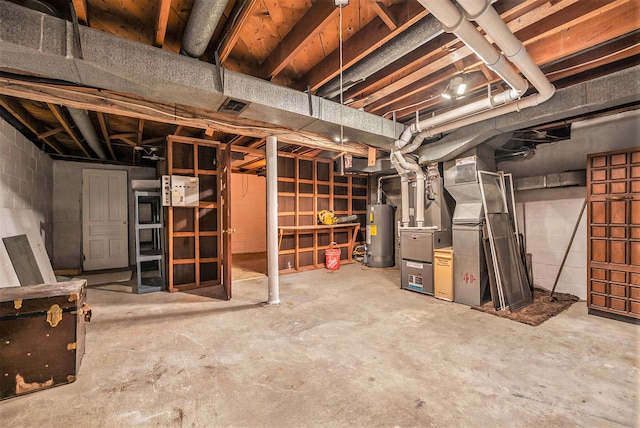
(417, 244)
(470, 277)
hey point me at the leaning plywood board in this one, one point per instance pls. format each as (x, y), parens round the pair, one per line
(16, 222)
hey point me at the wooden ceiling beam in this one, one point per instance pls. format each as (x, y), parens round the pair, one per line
(258, 143)
(140, 131)
(425, 96)
(254, 164)
(590, 64)
(383, 13)
(622, 49)
(124, 135)
(237, 149)
(312, 23)
(234, 35)
(135, 107)
(161, 22)
(240, 140)
(80, 7)
(523, 15)
(399, 85)
(542, 50)
(59, 114)
(153, 140)
(103, 120)
(125, 139)
(612, 22)
(526, 14)
(361, 44)
(49, 133)
(427, 88)
(14, 107)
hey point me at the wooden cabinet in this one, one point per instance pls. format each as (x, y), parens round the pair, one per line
(307, 186)
(613, 276)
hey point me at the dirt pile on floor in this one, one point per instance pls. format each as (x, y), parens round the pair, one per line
(538, 312)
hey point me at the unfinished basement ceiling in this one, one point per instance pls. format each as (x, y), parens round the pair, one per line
(396, 60)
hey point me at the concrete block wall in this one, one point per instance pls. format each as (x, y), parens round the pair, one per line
(248, 213)
(67, 209)
(547, 218)
(26, 179)
(550, 214)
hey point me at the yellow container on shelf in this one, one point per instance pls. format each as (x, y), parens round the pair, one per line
(443, 274)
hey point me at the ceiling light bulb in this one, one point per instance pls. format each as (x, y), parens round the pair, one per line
(446, 95)
(461, 88)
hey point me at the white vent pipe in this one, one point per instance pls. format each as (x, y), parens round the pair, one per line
(406, 166)
(513, 49)
(379, 191)
(404, 192)
(454, 21)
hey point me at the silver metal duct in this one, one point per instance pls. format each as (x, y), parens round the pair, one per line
(415, 36)
(82, 121)
(33, 43)
(598, 94)
(203, 20)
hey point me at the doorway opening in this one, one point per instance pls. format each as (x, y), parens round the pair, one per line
(249, 219)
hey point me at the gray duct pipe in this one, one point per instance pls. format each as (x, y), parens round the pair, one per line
(82, 121)
(203, 21)
(453, 21)
(415, 36)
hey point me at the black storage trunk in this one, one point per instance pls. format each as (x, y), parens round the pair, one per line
(42, 335)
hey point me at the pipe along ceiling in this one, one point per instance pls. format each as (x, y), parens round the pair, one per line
(515, 53)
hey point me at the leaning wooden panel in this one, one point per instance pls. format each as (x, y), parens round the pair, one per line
(613, 183)
(193, 262)
(42, 335)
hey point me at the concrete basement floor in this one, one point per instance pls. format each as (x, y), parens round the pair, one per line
(345, 348)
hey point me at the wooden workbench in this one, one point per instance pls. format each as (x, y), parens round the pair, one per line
(316, 249)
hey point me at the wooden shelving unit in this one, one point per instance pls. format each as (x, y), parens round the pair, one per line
(307, 186)
(194, 232)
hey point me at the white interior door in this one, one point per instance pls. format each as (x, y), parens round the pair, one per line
(105, 237)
